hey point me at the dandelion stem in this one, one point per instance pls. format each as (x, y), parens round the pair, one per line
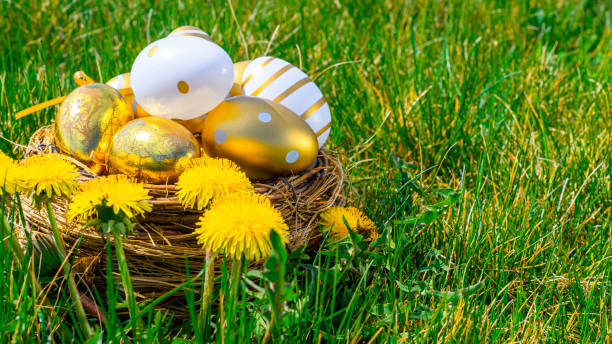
(209, 280)
(235, 280)
(125, 279)
(72, 287)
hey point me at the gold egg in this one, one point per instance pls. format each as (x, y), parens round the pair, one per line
(264, 138)
(152, 149)
(87, 120)
(239, 68)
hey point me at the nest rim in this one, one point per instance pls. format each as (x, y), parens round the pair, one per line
(164, 238)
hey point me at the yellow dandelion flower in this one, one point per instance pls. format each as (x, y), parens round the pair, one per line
(8, 173)
(209, 178)
(115, 192)
(49, 175)
(333, 219)
(239, 225)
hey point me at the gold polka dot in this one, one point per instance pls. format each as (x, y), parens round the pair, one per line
(183, 87)
(152, 51)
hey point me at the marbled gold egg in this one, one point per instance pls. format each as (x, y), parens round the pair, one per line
(152, 149)
(239, 68)
(265, 139)
(88, 119)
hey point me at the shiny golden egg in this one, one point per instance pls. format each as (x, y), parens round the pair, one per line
(152, 149)
(264, 138)
(239, 68)
(88, 119)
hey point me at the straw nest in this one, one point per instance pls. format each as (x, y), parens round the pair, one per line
(164, 239)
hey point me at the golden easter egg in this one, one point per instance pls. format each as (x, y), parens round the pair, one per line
(152, 149)
(264, 138)
(277, 80)
(239, 68)
(88, 119)
(122, 82)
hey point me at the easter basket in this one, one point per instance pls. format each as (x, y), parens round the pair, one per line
(163, 240)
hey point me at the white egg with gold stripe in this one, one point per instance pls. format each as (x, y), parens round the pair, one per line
(277, 80)
(190, 31)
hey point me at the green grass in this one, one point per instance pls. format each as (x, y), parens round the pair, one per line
(477, 135)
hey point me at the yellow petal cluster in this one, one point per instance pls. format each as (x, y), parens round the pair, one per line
(49, 175)
(116, 192)
(207, 178)
(333, 219)
(239, 225)
(8, 173)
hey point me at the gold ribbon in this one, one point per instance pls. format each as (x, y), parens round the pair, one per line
(80, 78)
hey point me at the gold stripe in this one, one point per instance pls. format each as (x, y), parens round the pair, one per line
(201, 35)
(260, 66)
(292, 89)
(127, 82)
(123, 81)
(318, 133)
(184, 28)
(247, 80)
(272, 78)
(266, 62)
(313, 108)
(126, 92)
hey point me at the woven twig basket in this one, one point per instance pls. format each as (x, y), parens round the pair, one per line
(164, 238)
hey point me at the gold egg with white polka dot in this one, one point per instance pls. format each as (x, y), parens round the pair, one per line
(266, 139)
(279, 81)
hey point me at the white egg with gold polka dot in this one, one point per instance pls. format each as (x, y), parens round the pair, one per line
(277, 80)
(190, 31)
(181, 77)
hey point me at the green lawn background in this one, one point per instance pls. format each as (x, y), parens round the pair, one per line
(476, 134)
